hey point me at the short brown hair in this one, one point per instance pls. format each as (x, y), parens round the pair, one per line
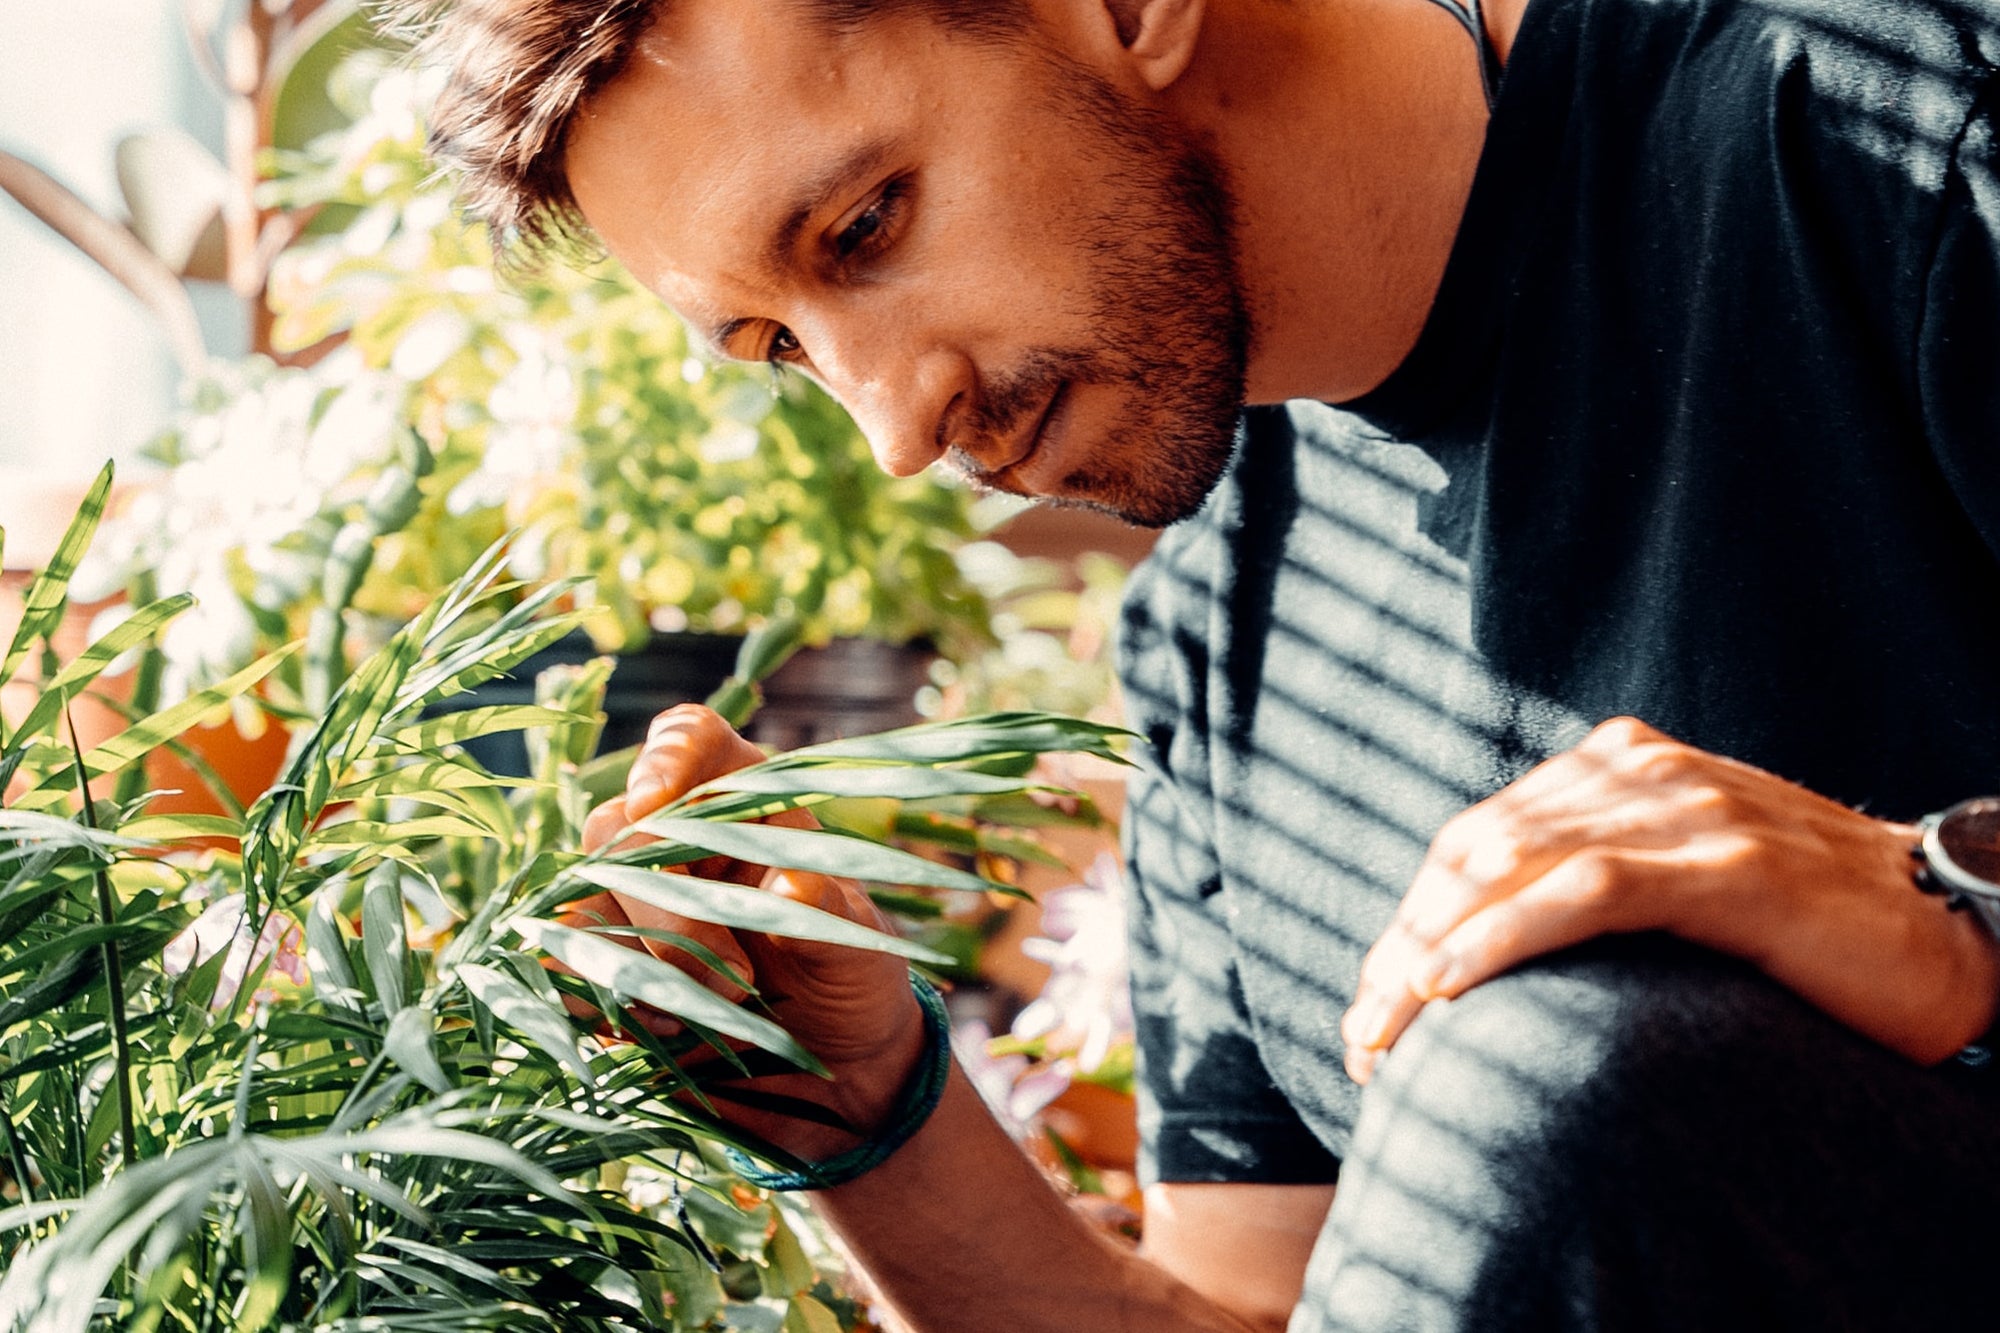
(521, 69)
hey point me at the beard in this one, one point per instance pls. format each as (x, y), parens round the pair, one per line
(1172, 327)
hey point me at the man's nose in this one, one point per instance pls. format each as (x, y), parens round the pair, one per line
(903, 407)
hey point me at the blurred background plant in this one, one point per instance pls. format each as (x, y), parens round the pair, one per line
(1054, 629)
(1060, 1077)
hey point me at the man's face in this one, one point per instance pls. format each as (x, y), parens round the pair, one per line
(985, 252)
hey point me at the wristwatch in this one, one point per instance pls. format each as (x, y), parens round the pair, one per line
(1958, 856)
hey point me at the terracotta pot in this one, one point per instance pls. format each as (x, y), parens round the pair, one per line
(246, 766)
(96, 721)
(1100, 1125)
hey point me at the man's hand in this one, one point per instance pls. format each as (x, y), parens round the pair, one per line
(1634, 831)
(850, 1007)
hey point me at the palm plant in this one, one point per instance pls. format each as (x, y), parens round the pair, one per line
(303, 1067)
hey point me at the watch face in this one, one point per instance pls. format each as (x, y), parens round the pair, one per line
(1970, 836)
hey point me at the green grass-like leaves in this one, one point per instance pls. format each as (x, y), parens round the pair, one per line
(385, 1115)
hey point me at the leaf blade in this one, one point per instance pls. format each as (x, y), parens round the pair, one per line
(806, 849)
(742, 908)
(635, 976)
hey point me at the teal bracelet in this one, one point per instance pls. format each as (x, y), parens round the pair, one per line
(914, 1105)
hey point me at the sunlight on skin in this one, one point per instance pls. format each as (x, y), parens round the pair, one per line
(1264, 1270)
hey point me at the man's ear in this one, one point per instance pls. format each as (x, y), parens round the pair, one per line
(1159, 36)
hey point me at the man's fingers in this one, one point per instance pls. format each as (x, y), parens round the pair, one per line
(659, 1024)
(719, 941)
(603, 910)
(1440, 899)
(842, 897)
(1383, 1005)
(838, 897)
(603, 825)
(599, 909)
(1592, 893)
(685, 747)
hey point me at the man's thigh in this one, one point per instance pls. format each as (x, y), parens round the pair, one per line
(1638, 1134)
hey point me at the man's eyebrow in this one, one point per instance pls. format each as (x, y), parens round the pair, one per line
(821, 190)
(719, 337)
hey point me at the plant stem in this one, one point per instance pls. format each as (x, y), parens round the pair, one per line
(376, 1064)
(18, 1153)
(114, 967)
(114, 249)
(145, 684)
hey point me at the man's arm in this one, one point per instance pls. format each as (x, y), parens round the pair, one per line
(962, 1233)
(960, 1230)
(1244, 1247)
(1633, 831)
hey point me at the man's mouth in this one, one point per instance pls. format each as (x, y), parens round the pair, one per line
(1041, 433)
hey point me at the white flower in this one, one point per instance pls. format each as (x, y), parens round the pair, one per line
(428, 343)
(534, 409)
(1013, 1091)
(1088, 998)
(358, 425)
(208, 640)
(222, 925)
(728, 442)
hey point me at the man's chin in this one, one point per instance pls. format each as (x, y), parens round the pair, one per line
(1134, 508)
(1162, 497)
(1159, 499)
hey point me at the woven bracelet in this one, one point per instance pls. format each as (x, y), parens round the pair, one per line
(914, 1105)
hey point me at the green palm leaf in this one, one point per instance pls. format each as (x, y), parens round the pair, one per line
(42, 608)
(635, 977)
(743, 908)
(805, 849)
(86, 666)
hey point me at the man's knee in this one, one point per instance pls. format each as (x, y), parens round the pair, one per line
(1639, 1131)
(1558, 1055)
(1636, 1078)
(1514, 1138)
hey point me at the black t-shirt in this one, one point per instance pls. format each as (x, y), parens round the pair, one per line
(1704, 427)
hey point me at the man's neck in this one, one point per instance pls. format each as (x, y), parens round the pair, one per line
(1350, 130)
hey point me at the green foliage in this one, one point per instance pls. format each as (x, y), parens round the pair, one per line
(315, 1081)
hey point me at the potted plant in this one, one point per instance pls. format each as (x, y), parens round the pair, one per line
(318, 1076)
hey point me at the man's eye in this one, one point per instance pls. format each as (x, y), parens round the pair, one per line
(869, 229)
(784, 347)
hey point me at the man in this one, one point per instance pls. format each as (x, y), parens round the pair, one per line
(1694, 325)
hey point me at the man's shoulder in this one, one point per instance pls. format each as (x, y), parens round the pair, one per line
(1894, 78)
(1912, 39)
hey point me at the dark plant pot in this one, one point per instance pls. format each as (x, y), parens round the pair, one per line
(848, 688)
(851, 687)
